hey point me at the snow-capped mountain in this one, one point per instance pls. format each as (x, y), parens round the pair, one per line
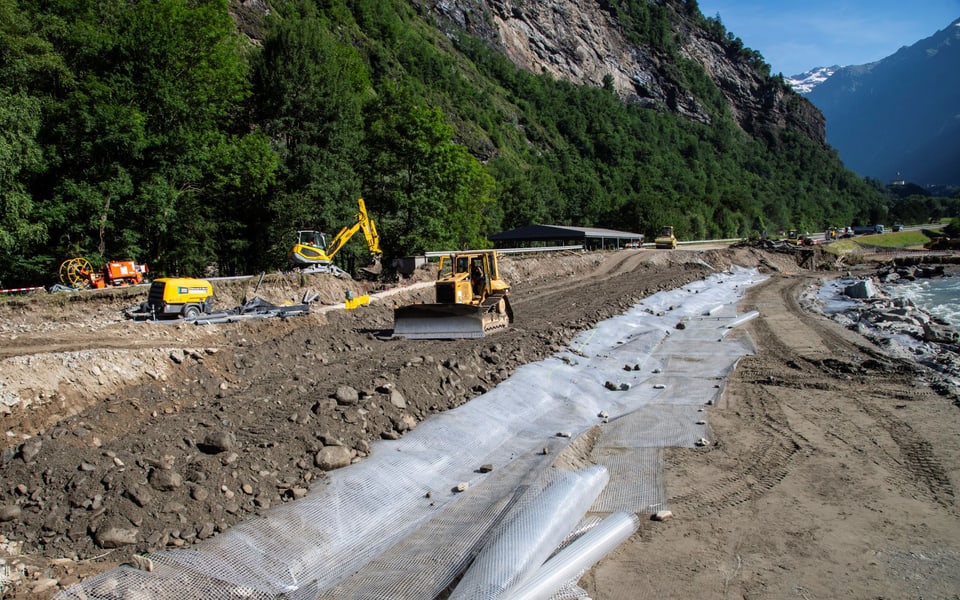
(805, 82)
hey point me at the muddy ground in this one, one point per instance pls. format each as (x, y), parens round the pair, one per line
(835, 471)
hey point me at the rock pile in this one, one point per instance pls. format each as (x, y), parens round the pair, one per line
(898, 323)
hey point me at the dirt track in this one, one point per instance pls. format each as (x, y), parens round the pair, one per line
(835, 473)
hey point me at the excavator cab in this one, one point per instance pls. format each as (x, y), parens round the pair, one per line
(310, 249)
(312, 238)
(471, 301)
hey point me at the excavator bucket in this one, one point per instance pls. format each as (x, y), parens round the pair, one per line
(447, 321)
(374, 267)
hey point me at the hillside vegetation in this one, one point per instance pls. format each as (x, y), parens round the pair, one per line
(198, 137)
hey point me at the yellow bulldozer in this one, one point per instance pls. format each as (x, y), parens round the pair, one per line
(312, 253)
(666, 239)
(471, 301)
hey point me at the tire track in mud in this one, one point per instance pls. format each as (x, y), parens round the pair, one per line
(31, 347)
(764, 458)
(920, 465)
(839, 352)
(611, 268)
(761, 465)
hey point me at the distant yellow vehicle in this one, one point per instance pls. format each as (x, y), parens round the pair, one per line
(666, 239)
(311, 251)
(185, 297)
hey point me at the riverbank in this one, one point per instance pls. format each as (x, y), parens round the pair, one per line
(877, 306)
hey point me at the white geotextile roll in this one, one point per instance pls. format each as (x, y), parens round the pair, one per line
(574, 560)
(529, 537)
(743, 319)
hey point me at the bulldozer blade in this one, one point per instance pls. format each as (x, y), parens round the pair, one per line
(445, 321)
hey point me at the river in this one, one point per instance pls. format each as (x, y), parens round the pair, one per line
(938, 296)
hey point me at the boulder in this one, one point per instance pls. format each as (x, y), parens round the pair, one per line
(9, 512)
(113, 536)
(164, 480)
(333, 457)
(347, 395)
(862, 289)
(397, 399)
(218, 441)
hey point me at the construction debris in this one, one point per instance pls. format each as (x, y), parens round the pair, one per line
(258, 308)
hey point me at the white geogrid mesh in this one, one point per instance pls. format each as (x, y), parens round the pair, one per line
(364, 512)
(636, 480)
(556, 578)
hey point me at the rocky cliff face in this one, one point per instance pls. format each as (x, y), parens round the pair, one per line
(581, 42)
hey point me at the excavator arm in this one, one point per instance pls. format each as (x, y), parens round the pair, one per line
(369, 232)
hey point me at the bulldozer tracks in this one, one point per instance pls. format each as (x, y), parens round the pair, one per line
(918, 462)
(759, 466)
(612, 265)
(606, 280)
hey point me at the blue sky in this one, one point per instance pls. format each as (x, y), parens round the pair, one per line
(796, 35)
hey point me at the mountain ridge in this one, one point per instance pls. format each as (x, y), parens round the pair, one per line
(897, 117)
(583, 42)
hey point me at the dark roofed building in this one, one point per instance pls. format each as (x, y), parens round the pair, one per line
(592, 238)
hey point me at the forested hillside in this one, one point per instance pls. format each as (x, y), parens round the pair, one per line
(197, 136)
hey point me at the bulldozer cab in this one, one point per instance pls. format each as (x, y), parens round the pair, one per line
(474, 271)
(450, 268)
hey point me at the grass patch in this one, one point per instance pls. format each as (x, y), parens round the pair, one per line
(844, 246)
(901, 239)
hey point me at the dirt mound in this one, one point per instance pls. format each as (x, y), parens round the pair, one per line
(126, 437)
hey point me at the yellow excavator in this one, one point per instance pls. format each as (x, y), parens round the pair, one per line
(312, 253)
(471, 301)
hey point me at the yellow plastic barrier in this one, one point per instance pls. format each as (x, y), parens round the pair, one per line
(353, 303)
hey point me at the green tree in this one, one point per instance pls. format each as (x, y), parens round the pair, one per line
(162, 83)
(434, 194)
(20, 157)
(310, 90)
(29, 69)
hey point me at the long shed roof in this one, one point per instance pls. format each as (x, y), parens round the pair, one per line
(543, 233)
